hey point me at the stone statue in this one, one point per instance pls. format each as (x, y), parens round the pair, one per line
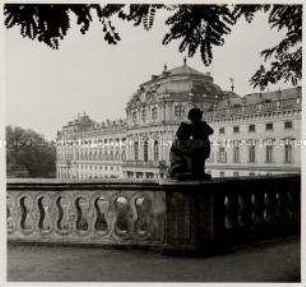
(191, 148)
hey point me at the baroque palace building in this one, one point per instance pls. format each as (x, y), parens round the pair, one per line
(255, 134)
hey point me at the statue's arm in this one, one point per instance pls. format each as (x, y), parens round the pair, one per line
(209, 129)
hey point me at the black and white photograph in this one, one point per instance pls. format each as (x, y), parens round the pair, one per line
(153, 142)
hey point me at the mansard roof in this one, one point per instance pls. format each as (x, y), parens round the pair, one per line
(256, 103)
(256, 98)
(285, 94)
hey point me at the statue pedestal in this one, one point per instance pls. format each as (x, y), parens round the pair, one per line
(190, 216)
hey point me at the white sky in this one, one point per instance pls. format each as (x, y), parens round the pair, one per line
(46, 88)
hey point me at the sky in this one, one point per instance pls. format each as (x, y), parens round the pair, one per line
(46, 88)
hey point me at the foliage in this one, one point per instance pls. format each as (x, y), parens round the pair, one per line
(199, 28)
(286, 56)
(28, 154)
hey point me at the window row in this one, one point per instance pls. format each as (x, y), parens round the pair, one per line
(93, 167)
(96, 142)
(147, 114)
(269, 154)
(252, 127)
(145, 150)
(111, 156)
(144, 114)
(84, 176)
(237, 174)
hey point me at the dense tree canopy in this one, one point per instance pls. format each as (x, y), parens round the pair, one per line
(28, 154)
(198, 28)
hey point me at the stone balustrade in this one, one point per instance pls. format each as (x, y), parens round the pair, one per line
(163, 214)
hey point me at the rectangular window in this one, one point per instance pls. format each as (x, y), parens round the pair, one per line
(221, 131)
(251, 128)
(252, 154)
(236, 156)
(288, 125)
(179, 111)
(236, 174)
(288, 153)
(236, 129)
(222, 174)
(136, 151)
(269, 154)
(222, 155)
(269, 126)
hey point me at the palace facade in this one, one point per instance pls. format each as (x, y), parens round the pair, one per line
(255, 134)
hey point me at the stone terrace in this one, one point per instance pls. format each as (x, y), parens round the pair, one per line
(274, 261)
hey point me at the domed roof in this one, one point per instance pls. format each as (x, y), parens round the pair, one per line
(176, 82)
(185, 70)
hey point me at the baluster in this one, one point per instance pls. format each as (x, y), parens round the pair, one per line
(44, 220)
(266, 211)
(233, 210)
(122, 226)
(278, 203)
(272, 207)
(290, 205)
(227, 223)
(82, 214)
(27, 218)
(246, 209)
(240, 213)
(101, 206)
(62, 218)
(296, 200)
(254, 202)
(258, 208)
(143, 207)
(284, 208)
(10, 214)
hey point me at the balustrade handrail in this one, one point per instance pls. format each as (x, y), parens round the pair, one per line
(12, 183)
(162, 213)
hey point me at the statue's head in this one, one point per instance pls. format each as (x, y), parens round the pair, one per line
(195, 115)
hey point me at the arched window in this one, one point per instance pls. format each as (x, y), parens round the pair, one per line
(123, 156)
(222, 156)
(77, 157)
(134, 116)
(145, 151)
(156, 150)
(154, 113)
(117, 156)
(111, 156)
(105, 156)
(136, 151)
(95, 154)
(236, 154)
(144, 115)
(252, 154)
(288, 153)
(269, 154)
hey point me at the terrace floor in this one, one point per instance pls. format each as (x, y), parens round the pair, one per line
(276, 261)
